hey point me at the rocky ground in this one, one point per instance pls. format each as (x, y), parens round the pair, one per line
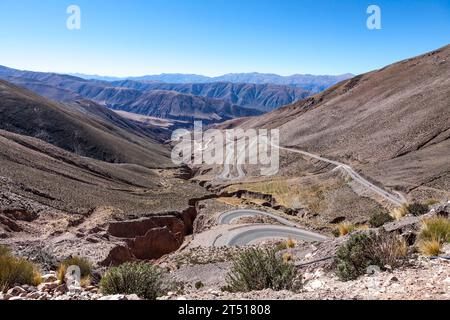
(421, 279)
(201, 271)
(53, 289)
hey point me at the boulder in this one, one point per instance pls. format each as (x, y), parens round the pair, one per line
(16, 291)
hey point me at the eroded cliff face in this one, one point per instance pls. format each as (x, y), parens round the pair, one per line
(150, 237)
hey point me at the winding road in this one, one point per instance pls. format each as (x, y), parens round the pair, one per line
(251, 234)
(396, 199)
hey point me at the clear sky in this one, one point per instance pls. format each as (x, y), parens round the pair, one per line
(213, 37)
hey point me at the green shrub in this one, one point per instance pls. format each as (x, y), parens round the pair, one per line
(380, 218)
(364, 250)
(199, 285)
(417, 209)
(139, 278)
(437, 228)
(16, 271)
(352, 259)
(84, 265)
(257, 269)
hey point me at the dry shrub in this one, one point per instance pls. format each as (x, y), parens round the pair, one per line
(436, 228)
(84, 265)
(429, 247)
(16, 271)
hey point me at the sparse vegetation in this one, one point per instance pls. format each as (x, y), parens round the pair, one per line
(379, 218)
(140, 278)
(429, 247)
(288, 244)
(415, 209)
(257, 269)
(84, 265)
(16, 271)
(364, 250)
(287, 192)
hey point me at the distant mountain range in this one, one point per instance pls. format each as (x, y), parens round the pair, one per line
(211, 102)
(312, 83)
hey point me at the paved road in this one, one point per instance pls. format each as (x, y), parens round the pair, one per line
(396, 199)
(229, 216)
(250, 234)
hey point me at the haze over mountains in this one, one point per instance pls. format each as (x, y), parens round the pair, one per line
(313, 83)
(211, 102)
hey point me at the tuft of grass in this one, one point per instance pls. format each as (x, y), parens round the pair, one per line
(84, 265)
(436, 228)
(429, 247)
(16, 271)
(258, 269)
(399, 213)
(344, 228)
(290, 244)
(287, 257)
(141, 278)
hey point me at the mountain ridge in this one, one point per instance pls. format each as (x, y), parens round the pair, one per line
(314, 83)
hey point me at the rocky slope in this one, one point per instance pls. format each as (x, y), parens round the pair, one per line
(262, 97)
(68, 169)
(185, 107)
(393, 124)
(81, 127)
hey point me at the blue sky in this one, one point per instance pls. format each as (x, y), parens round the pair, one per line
(213, 37)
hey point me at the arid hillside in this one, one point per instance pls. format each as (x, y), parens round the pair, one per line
(393, 124)
(81, 127)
